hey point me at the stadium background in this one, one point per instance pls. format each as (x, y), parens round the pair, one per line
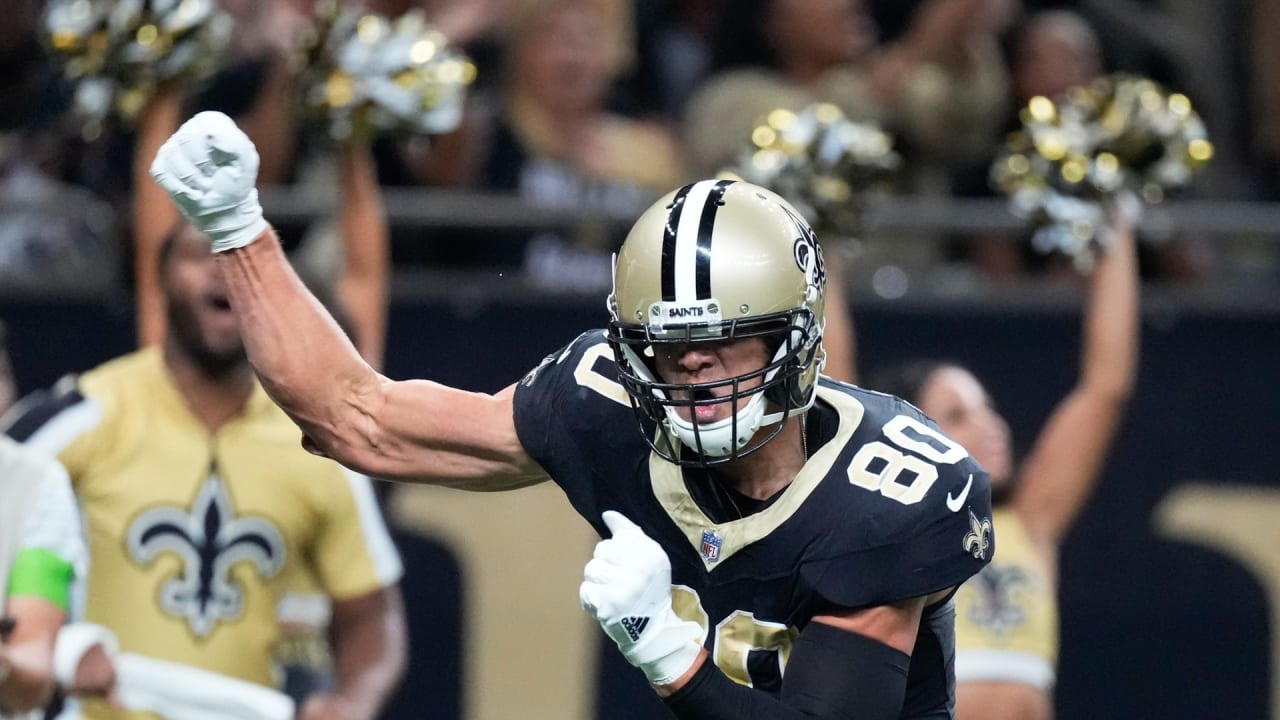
(1170, 618)
(1170, 579)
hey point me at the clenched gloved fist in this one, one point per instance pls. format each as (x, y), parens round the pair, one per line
(209, 167)
(627, 588)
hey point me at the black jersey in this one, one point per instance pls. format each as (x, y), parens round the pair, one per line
(886, 509)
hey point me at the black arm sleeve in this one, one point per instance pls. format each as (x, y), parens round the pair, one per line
(833, 674)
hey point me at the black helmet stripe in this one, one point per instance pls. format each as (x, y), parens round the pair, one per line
(686, 243)
(706, 226)
(674, 210)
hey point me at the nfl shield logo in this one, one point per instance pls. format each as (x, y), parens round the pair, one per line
(711, 542)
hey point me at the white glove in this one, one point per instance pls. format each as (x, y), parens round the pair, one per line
(209, 168)
(627, 588)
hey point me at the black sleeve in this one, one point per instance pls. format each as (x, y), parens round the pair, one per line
(538, 418)
(833, 674)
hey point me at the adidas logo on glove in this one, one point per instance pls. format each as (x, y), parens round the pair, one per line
(634, 626)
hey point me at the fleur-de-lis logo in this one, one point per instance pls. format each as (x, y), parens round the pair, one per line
(998, 607)
(808, 253)
(976, 541)
(209, 540)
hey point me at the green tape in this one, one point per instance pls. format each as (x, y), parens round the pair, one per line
(41, 573)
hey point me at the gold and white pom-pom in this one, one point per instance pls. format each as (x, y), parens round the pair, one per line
(1077, 153)
(822, 162)
(117, 52)
(365, 75)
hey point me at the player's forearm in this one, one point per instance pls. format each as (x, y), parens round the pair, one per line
(370, 651)
(306, 364)
(711, 695)
(833, 674)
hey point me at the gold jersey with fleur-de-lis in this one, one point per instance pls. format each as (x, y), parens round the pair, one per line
(195, 538)
(1007, 614)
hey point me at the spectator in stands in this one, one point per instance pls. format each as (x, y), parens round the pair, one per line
(673, 55)
(1006, 616)
(940, 88)
(555, 143)
(51, 231)
(1050, 52)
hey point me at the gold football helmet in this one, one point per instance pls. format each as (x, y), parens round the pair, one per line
(713, 261)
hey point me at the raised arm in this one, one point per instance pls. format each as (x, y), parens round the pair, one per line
(362, 288)
(415, 430)
(1064, 464)
(839, 337)
(153, 215)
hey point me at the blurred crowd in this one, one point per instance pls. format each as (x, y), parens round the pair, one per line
(602, 105)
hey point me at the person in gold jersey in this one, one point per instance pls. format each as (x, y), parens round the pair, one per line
(202, 507)
(1007, 615)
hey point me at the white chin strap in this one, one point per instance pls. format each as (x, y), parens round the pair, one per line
(718, 439)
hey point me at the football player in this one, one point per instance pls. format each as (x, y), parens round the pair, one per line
(1007, 616)
(780, 545)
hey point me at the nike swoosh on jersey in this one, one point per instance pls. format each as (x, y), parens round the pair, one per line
(955, 503)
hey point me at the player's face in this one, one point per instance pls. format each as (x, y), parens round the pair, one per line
(707, 362)
(200, 317)
(955, 399)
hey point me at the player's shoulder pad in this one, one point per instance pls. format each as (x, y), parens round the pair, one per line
(913, 511)
(553, 367)
(573, 390)
(583, 374)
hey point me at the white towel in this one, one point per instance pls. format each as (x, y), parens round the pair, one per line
(171, 690)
